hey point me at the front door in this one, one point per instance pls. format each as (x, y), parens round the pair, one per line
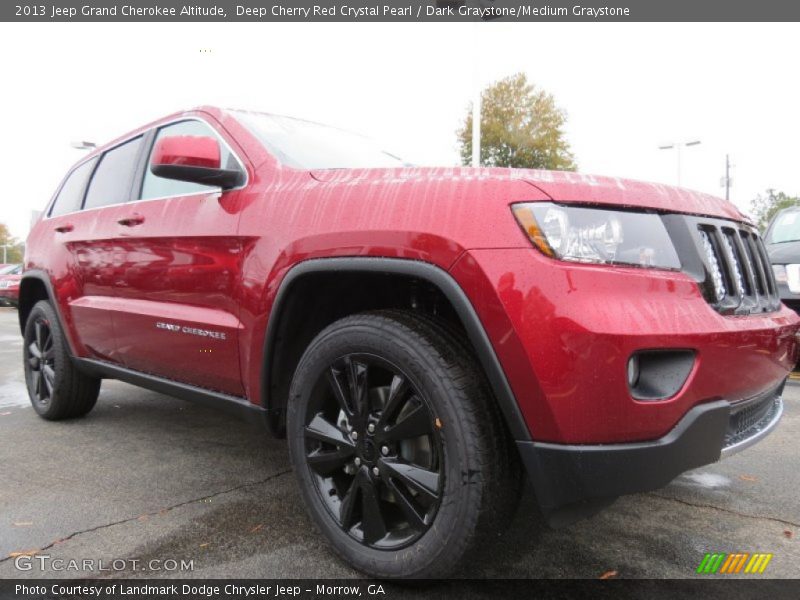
(179, 254)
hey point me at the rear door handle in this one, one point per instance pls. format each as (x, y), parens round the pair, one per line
(131, 221)
(65, 228)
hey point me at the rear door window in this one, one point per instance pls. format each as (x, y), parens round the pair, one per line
(70, 196)
(112, 180)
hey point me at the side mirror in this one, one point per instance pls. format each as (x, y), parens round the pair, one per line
(195, 159)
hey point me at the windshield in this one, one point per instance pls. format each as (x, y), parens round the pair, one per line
(10, 270)
(307, 145)
(785, 228)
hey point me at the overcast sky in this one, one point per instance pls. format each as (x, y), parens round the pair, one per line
(627, 88)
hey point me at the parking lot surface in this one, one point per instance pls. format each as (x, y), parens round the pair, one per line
(148, 477)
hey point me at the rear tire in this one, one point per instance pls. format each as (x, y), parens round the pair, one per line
(56, 388)
(428, 475)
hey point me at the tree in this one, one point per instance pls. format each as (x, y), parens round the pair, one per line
(14, 249)
(521, 126)
(765, 207)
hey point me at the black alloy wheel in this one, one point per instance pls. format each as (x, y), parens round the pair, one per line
(57, 388)
(40, 355)
(399, 451)
(374, 451)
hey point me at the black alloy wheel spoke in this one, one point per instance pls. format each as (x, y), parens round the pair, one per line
(407, 504)
(38, 331)
(340, 392)
(34, 350)
(420, 480)
(49, 376)
(372, 522)
(39, 385)
(397, 394)
(349, 500)
(324, 461)
(41, 360)
(47, 352)
(323, 430)
(415, 424)
(357, 380)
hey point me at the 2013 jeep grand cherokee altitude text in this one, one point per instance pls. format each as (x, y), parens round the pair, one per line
(422, 337)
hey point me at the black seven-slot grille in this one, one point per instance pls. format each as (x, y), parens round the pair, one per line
(739, 274)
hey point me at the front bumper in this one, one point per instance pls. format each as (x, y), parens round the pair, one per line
(564, 333)
(571, 481)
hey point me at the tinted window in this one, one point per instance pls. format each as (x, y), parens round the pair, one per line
(71, 194)
(785, 228)
(154, 186)
(111, 183)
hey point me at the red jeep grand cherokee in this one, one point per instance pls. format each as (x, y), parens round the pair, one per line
(419, 335)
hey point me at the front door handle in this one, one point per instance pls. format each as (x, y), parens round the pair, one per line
(67, 227)
(131, 221)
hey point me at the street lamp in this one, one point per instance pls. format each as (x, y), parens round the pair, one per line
(677, 146)
(727, 181)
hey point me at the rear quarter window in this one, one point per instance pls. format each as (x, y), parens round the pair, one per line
(70, 196)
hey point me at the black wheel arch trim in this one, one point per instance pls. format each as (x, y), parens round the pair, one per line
(409, 268)
(44, 278)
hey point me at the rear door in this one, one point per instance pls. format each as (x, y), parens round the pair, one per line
(82, 261)
(177, 314)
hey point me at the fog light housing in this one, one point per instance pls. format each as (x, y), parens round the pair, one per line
(658, 374)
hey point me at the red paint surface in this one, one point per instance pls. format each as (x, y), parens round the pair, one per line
(187, 150)
(562, 331)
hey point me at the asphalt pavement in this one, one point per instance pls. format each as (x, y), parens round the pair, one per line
(148, 479)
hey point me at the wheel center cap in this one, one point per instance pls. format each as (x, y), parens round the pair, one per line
(368, 450)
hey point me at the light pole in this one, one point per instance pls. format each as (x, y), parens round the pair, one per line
(727, 181)
(677, 146)
(476, 101)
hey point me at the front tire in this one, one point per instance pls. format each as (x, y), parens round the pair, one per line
(56, 388)
(395, 444)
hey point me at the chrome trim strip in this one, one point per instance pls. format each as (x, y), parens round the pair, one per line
(758, 436)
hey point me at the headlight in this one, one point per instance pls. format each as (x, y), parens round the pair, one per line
(596, 235)
(780, 273)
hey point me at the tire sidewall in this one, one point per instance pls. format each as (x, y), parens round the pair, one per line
(438, 549)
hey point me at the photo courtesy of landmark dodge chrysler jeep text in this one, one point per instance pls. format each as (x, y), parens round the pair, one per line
(423, 337)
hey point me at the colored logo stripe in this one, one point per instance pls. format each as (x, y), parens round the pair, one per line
(735, 563)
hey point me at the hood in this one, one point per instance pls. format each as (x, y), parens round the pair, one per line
(784, 253)
(560, 186)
